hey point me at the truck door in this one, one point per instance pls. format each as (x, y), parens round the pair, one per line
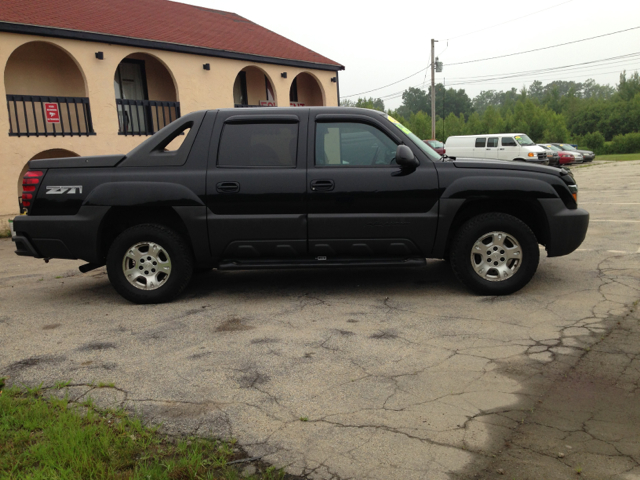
(508, 149)
(360, 203)
(492, 148)
(256, 186)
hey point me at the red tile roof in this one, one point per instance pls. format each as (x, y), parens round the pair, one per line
(161, 21)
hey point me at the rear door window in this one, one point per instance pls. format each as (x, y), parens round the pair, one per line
(258, 145)
(492, 142)
(480, 142)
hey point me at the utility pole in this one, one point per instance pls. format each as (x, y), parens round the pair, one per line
(433, 89)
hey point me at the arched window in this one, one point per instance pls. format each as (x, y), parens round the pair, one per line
(46, 92)
(253, 88)
(146, 95)
(306, 91)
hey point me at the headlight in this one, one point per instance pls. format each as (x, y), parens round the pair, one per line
(531, 154)
(574, 192)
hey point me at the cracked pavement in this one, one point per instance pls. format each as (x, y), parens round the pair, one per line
(366, 373)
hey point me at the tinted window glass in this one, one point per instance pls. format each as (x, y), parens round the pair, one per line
(508, 142)
(352, 144)
(492, 142)
(480, 142)
(258, 145)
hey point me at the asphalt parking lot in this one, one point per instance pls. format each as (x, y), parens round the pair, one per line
(366, 374)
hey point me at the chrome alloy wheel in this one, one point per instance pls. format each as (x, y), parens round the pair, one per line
(496, 256)
(146, 266)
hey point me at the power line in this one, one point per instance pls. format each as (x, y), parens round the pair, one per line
(493, 58)
(394, 83)
(532, 73)
(543, 48)
(509, 21)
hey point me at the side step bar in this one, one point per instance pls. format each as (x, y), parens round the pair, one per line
(315, 263)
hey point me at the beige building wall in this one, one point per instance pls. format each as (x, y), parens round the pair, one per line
(195, 89)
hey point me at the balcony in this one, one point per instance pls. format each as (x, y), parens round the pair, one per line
(145, 117)
(49, 116)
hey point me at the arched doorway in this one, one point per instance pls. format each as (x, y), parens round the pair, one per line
(52, 153)
(253, 88)
(46, 92)
(306, 91)
(146, 95)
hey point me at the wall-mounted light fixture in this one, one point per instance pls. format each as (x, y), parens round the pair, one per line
(206, 66)
(334, 79)
(283, 74)
(100, 55)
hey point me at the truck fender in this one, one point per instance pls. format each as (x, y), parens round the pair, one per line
(483, 188)
(499, 187)
(142, 194)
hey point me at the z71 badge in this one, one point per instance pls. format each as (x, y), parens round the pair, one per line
(71, 189)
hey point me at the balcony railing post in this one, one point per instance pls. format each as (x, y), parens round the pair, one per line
(29, 126)
(147, 119)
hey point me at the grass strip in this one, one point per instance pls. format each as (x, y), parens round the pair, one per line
(620, 157)
(44, 437)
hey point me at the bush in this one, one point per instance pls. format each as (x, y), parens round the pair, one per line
(594, 141)
(628, 143)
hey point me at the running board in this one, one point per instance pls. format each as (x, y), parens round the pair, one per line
(314, 263)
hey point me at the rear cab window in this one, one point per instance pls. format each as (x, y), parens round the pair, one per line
(245, 145)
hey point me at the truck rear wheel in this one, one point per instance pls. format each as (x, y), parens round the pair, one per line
(149, 264)
(494, 254)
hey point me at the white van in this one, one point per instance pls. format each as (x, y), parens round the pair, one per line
(500, 146)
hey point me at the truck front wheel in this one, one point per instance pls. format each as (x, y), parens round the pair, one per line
(494, 254)
(149, 264)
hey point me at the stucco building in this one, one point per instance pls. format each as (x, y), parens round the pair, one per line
(92, 77)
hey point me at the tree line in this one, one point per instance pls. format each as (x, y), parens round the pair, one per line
(603, 118)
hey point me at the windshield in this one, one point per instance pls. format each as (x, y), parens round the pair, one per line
(554, 148)
(428, 151)
(524, 140)
(568, 147)
(435, 144)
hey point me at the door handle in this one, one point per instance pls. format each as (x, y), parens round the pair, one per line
(322, 185)
(501, 149)
(228, 187)
(488, 149)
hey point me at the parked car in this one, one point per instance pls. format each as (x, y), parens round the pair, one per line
(587, 155)
(437, 145)
(500, 146)
(298, 187)
(552, 156)
(566, 157)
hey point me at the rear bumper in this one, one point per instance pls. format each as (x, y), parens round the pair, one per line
(60, 236)
(567, 228)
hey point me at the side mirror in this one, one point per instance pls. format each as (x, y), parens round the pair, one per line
(405, 157)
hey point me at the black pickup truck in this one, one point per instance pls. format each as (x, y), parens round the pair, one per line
(294, 188)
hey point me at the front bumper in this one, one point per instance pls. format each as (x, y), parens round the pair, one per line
(567, 228)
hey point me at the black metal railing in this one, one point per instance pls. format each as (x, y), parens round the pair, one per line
(145, 117)
(240, 105)
(37, 115)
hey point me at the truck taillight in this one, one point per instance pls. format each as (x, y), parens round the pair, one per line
(29, 182)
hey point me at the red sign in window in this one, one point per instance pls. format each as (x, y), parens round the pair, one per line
(52, 112)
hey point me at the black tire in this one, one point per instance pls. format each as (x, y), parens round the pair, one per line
(172, 254)
(504, 274)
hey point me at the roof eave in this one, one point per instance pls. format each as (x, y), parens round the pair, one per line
(156, 45)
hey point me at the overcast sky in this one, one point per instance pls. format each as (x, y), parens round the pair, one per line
(382, 42)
